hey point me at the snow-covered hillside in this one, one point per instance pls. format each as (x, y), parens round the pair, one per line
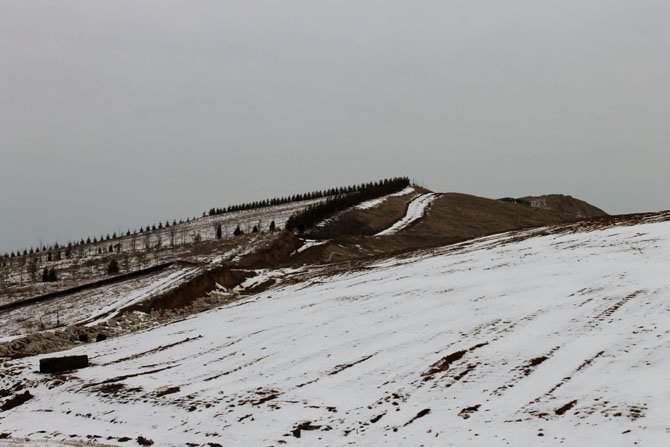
(526, 338)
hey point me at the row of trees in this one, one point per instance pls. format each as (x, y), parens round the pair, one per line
(55, 252)
(314, 214)
(287, 199)
(32, 266)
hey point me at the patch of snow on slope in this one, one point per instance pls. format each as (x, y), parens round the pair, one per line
(559, 340)
(376, 202)
(415, 211)
(309, 243)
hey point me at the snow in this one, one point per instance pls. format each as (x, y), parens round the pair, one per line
(309, 243)
(369, 204)
(485, 340)
(376, 202)
(415, 211)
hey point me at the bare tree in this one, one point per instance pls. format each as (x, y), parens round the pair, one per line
(141, 258)
(4, 274)
(126, 262)
(90, 264)
(33, 267)
(218, 231)
(22, 264)
(79, 254)
(172, 233)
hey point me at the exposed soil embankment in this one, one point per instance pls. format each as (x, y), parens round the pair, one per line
(276, 251)
(192, 289)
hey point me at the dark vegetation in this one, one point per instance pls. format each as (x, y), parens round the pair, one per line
(513, 200)
(288, 199)
(49, 275)
(113, 267)
(313, 214)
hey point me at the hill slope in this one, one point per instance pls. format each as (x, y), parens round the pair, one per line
(443, 219)
(556, 333)
(567, 206)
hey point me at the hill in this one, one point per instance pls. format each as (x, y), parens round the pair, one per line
(171, 271)
(566, 206)
(389, 315)
(446, 219)
(518, 338)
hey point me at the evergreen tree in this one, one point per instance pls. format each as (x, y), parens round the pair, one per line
(113, 267)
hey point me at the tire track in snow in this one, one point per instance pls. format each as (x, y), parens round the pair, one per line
(415, 211)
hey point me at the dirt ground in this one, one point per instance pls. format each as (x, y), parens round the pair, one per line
(451, 218)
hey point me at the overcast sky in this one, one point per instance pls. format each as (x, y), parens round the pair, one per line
(116, 114)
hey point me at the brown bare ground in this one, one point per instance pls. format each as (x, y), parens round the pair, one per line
(450, 219)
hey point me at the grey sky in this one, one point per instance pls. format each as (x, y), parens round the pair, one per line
(118, 114)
